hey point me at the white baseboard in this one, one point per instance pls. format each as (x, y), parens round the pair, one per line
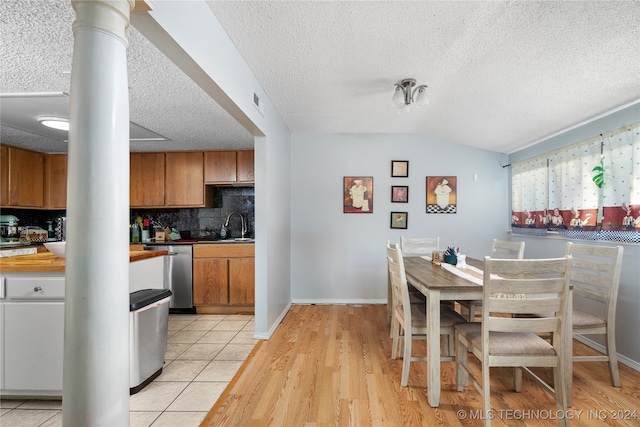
(602, 349)
(267, 335)
(339, 301)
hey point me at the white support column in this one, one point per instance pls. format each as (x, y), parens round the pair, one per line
(96, 343)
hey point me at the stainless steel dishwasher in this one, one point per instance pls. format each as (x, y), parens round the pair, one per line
(178, 275)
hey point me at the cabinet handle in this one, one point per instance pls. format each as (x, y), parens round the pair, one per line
(37, 289)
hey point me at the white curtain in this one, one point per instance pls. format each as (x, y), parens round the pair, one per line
(621, 159)
(570, 176)
(530, 185)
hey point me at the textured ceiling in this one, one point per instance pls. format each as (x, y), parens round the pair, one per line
(36, 44)
(501, 75)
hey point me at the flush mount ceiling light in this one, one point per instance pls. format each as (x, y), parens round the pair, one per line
(405, 95)
(55, 123)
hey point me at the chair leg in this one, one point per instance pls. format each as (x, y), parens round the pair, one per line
(406, 361)
(461, 360)
(395, 332)
(517, 379)
(560, 389)
(613, 359)
(486, 395)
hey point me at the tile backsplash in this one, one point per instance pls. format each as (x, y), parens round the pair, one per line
(200, 222)
(207, 222)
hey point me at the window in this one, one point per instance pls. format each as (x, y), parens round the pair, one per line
(588, 190)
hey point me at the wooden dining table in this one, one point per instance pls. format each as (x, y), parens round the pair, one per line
(439, 284)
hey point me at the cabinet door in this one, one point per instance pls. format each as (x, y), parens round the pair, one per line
(219, 166)
(4, 175)
(241, 281)
(184, 179)
(33, 345)
(26, 178)
(245, 166)
(55, 183)
(210, 281)
(146, 185)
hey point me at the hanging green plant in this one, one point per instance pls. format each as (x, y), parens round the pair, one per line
(598, 178)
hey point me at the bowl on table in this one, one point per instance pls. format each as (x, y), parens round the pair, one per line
(56, 248)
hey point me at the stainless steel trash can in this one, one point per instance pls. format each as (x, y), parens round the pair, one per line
(148, 327)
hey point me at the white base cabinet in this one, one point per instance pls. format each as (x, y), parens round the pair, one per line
(32, 334)
(32, 327)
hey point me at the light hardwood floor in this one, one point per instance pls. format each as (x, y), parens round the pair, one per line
(330, 365)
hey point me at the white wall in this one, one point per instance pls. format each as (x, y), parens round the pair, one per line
(628, 314)
(339, 258)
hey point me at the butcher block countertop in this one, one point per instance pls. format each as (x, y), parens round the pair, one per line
(46, 261)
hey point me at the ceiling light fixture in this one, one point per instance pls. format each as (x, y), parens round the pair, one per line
(405, 95)
(55, 123)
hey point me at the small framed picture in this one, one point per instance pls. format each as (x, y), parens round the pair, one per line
(357, 194)
(399, 219)
(400, 193)
(400, 168)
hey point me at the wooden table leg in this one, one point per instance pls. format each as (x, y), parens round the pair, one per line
(433, 347)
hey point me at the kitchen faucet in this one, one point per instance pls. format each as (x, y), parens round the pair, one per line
(244, 227)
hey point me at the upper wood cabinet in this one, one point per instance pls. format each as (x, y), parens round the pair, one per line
(55, 181)
(228, 167)
(147, 180)
(184, 179)
(4, 175)
(219, 166)
(245, 166)
(24, 182)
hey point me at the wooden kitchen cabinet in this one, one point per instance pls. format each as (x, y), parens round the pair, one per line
(24, 177)
(245, 166)
(147, 180)
(184, 179)
(4, 175)
(228, 167)
(224, 278)
(55, 182)
(219, 167)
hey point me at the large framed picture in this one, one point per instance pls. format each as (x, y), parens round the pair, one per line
(400, 194)
(442, 194)
(357, 194)
(399, 219)
(399, 168)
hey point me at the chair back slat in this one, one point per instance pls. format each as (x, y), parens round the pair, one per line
(533, 324)
(506, 304)
(504, 249)
(529, 286)
(419, 246)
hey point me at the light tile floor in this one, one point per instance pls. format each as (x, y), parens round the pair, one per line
(204, 352)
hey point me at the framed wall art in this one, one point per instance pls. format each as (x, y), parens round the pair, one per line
(399, 168)
(400, 193)
(357, 194)
(399, 220)
(442, 194)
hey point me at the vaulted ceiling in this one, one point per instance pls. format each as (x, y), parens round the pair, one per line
(500, 75)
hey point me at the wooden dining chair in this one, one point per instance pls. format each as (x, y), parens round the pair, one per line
(500, 249)
(419, 246)
(595, 275)
(514, 341)
(410, 320)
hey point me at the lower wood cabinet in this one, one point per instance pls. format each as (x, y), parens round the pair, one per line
(224, 278)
